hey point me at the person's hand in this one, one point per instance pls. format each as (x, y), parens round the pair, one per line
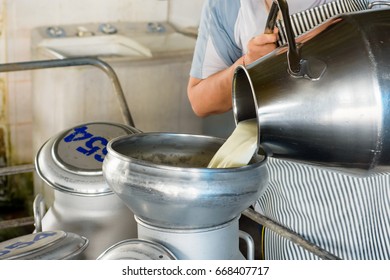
(260, 45)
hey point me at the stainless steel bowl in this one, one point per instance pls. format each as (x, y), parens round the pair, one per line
(163, 178)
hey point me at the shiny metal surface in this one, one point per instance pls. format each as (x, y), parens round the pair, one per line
(39, 210)
(219, 242)
(250, 244)
(17, 169)
(71, 161)
(137, 249)
(103, 219)
(341, 119)
(78, 61)
(289, 234)
(47, 245)
(163, 179)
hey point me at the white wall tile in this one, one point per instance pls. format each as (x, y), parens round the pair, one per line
(17, 20)
(185, 13)
(21, 151)
(19, 102)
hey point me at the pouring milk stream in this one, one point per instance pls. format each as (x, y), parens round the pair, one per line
(238, 148)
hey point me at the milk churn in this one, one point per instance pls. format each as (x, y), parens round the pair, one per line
(324, 98)
(71, 163)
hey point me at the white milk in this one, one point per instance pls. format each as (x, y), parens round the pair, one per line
(238, 148)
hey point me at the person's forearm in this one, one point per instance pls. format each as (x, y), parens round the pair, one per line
(212, 95)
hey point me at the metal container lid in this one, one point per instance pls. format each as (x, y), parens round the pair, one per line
(72, 160)
(46, 245)
(137, 249)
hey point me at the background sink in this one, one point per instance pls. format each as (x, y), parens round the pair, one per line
(105, 45)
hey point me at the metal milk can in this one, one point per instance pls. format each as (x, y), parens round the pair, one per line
(71, 163)
(324, 98)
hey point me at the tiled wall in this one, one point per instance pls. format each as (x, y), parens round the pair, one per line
(185, 14)
(23, 15)
(19, 17)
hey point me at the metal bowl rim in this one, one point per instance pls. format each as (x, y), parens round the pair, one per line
(114, 153)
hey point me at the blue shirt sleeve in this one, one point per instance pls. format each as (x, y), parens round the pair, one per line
(216, 48)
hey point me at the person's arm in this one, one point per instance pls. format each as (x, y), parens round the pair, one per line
(213, 95)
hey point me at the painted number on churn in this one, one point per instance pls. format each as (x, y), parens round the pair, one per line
(94, 145)
(19, 245)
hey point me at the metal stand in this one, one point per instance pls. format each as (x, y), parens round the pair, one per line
(79, 61)
(288, 234)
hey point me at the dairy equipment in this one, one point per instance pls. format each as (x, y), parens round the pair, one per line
(74, 181)
(71, 163)
(48, 245)
(137, 249)
(152, 175)
(149, 228)
(178, 202)
(324, 98)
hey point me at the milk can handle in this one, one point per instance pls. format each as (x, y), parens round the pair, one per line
(293, 55)
(39, 211)
(250, 254)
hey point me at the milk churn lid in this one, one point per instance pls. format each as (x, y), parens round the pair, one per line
(137, 249)
(46, 245)
(72, 160)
